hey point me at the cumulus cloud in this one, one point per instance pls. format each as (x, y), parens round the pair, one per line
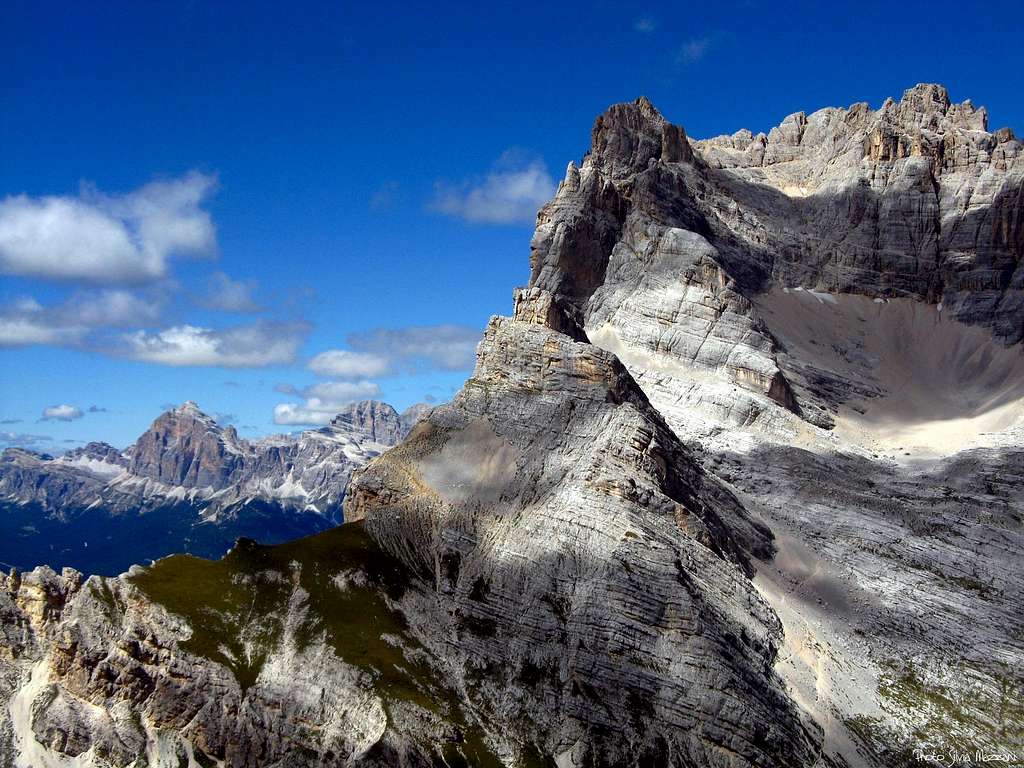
(511, 193)
(448, 347)
(322, 402)
(243, 346)
(106, 239)
(227, 295)
(391, 351)
(61, 412)
(343, 364)
(26, 321)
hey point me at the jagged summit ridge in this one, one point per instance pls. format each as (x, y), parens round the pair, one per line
(915, 200)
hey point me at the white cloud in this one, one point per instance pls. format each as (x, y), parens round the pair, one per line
(323, 402)
(447, 347)
(25, 331)
(61, 413)
(511, 193)
(69, 323)
(343, 364)
(693, 50)
(342, 392)
(244, 346)
(100, 239)
(229, 295)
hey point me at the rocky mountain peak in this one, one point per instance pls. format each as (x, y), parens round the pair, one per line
(629, 136)
(94, 450)
(379, 421)
(191, 410)
(925, 98)
(186, 446)
(601, 548)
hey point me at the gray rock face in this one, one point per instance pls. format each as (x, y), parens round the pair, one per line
(661, 252)
(916, 199)
(589, 578)
(411, 416)
(379, 421)
(187, 448)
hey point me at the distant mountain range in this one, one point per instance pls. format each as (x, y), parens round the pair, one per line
(186, 485)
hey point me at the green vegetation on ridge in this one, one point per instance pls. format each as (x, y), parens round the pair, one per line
(237, 608)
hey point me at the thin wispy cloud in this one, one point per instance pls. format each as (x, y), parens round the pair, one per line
(446, 347)
(392, 351)
(376, 353)
(511, 193)
(24, 440)
(107, 239)
(26, 322)
(244, 346)
(62, 412)
(693, 50)
(384, 196)
(227, 295)
(344, 364)
(645, 25)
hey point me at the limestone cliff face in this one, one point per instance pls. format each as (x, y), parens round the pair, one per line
(186, 447)
(658, 246)
(916, 199)
(588, 577)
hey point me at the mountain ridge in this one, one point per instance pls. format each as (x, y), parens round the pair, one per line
(199, 478)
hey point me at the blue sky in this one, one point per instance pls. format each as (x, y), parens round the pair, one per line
(271, 208)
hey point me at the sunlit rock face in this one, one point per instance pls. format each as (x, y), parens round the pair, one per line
(737, 484)
(661, 254)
